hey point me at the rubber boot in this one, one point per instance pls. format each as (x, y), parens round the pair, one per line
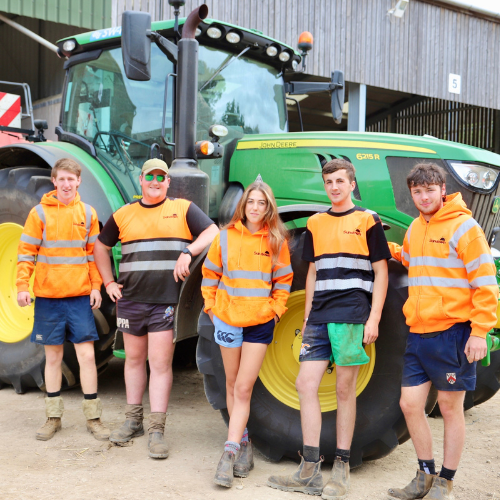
(339, 482)
(418, 488)
(92, 409)
(224, 473)
(306, 479)
(54, 408)
(156, 444)
(244, 460)
(441, 489)
(132, 427)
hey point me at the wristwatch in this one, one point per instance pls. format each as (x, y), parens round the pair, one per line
(186, 250)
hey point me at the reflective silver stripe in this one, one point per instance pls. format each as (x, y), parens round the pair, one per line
(25, 258)
(450, 262)
(210, 265)
(41, 214)
(370, 211)
(439, 282)
(406, 256)
(62, 260)
(208, 282)
(346, 262)
(223, 248)
(282, 271)
(64, 244)
(248, 275)
(245, 292)
(485, 258)
(483, 281)
(93, 239)
(281, 286)
(339, 284)
(462, 229)
(152, 246)
(30, 239)
(90, 258)
(147, 265)
(88, 217)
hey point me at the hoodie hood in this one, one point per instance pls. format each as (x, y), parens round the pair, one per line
(241, 227)
(453, 206)
(50, 199)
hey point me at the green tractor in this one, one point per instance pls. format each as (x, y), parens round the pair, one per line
(126, 99)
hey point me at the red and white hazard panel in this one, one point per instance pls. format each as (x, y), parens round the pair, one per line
(10, 110)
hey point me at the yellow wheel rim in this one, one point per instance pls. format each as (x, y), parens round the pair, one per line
(281, 364)
(16, 323)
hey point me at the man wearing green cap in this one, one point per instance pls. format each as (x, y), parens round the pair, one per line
(156, 235)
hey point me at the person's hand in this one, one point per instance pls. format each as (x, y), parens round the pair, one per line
(371, 332)
(24, 299)
(181, 270)
(475, 349)
(304, 324)
(95, 299)
(114, 290)
(211, 315)
(276, 319)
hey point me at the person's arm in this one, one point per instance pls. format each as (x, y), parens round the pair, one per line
(28, 248)
(212, 273)
(103, 263)
(310, 286)
(95, 277)
(282, 281)
(380, 283)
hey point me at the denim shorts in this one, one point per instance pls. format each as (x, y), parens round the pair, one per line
(440, 359)
(256, 334)
(58, 320)
(340, 343)
(139, 318)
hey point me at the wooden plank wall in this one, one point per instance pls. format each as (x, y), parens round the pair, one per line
(413, 54)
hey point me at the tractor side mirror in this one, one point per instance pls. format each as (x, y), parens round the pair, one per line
(338, 95)
(136, 45)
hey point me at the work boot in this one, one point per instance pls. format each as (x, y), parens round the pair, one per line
(54, 408)
(224, 473)
(92, 409)
(244, 460)
(156, 444)
(418, 488)
(339, 482)
(306, 479)
(132, 427)
(441, 489)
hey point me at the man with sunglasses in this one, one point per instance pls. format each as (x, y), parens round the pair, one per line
(156, 235)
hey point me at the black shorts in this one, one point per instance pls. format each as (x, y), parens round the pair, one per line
(139, 318)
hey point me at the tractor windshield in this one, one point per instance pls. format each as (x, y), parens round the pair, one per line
(123, 118)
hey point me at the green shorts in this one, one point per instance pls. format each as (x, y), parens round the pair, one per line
(340, 343)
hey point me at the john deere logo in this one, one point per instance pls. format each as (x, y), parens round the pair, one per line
(496, 205)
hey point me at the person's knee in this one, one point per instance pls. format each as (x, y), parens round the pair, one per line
(86, 357)
(54, 358)
(230, 385)
(305, 385)
(409, 406)
(160, 366)
(345, 391)
(243, 391)
(450, 407)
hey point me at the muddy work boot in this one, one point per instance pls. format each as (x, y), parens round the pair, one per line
(156, 444)
(92, 409)
(339, 482)
(441, 489)
(54, 408)
(224, 473)
(132, 427)
(306, 479)
(418, 488)
(244, 460)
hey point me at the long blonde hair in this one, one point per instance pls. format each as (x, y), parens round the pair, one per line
(277, 232)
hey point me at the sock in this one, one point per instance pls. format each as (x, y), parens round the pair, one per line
(310, 453)
(232, 447)
(448, 474)
(90, 396)
(53, 394)
(244, 439)
(427, 466)
(344, 455)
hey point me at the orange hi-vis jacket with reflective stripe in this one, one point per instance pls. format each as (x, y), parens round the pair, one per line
(58, 240)
(451, 274)
(240, 285)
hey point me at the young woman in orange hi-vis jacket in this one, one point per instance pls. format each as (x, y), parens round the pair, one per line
(247, 277)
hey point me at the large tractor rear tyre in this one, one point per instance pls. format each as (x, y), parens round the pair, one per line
(274, 423)
(21, 362)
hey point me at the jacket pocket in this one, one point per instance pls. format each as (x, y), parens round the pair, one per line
(424, 309)
(251, 312)
(66, 281)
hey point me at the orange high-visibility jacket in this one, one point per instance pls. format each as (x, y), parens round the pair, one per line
(451, 274)
(240, 285)
(59, 240)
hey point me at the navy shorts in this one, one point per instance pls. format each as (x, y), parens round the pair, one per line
(440, 359)
(259, 334)
(57, 320)
(139, 318)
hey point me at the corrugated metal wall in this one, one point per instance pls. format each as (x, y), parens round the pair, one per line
(414, 54)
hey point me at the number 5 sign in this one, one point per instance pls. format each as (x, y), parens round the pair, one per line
(454, 82)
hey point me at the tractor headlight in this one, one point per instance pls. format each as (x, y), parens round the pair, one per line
(476, 176)
(233, 37)
(284, 56)
(272, 51)
(214, 32)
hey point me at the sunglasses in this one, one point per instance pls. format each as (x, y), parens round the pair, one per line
(159, 178)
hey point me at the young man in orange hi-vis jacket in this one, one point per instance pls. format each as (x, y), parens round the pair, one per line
(58, 240)
(453, 297)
